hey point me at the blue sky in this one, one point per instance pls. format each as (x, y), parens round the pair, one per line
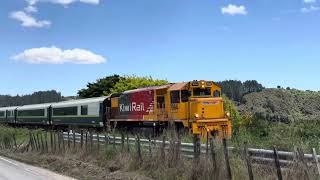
(63, 44)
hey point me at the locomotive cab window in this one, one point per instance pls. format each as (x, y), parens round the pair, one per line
(84, 110)
(185, 94)
(161, 102)
(216, 93)
(201, 92)
(2, 114)
(175, 96)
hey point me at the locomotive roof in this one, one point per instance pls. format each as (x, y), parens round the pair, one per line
(178, 86)
(148, 88)
(80, 101)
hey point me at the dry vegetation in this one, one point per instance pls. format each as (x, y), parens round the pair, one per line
(121, 162)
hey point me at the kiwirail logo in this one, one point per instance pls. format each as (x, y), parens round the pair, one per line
(133, 107)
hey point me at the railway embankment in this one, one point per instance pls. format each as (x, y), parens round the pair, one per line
(83, 156)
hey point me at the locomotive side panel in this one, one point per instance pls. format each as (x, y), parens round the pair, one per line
(133, 106)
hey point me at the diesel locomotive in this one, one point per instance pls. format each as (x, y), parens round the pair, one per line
(196, 106)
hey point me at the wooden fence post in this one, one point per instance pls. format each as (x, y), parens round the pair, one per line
(122, 141)
(128, 144)
(15, 140)
(150, 147)
(86, 142)
(46, 141)
(68, 138)
(213, 158)
(139, 149)
(277, 163)
(207, 143)
(38, 140)
(63, 144)
(114, 141)
(106, 141)
(226, 157)
(81, 140)
(42, 143)
(54, 141)
(35, 142)
(196, 146)
(31, 141)
(98, 142)
(248, 161)
(163, 146)
(74, 139)
(59, 141)
(302, 160)
(315, 157)
(178, 145)
(91, 141)
(51, 141)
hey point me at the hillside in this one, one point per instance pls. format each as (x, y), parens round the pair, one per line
(282, 105)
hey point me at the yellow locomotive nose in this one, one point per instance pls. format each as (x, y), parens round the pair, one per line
(210, 117)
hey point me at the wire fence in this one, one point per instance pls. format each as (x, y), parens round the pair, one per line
(60, 142)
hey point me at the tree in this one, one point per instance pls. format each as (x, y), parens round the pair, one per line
(134, 82)
(100, 87)
(35, 98)
(235, 90)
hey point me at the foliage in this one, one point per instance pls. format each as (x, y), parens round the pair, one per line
(283, 105)
(134, 82)
(235, 116)
(235, 90)
(101, 87)
(117, 84)
(35, 98)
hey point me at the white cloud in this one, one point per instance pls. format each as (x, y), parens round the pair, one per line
(67, 2)
(309, 1)
(30, 9)
(54, 55)
(234, 10)
(90, 1)
(29, 21)
(310, 9)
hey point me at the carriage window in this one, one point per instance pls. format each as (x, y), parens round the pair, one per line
(65, 111)
(8, 113)
(2, 114)
(202, 92)
(175, 96)
(84, 110)
(36, 112)
(185, 95)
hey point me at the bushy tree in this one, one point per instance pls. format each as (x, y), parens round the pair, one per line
(101, 87)
(235, 90)
(117, 84)
(134, 82)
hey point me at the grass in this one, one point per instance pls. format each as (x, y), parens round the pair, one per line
(116, 163)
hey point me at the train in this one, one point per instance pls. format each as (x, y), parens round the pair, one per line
(196, 106)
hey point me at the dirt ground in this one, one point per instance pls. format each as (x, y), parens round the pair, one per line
(77, 167)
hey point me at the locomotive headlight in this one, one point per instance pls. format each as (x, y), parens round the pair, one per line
(196, 115)
(228, 114)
